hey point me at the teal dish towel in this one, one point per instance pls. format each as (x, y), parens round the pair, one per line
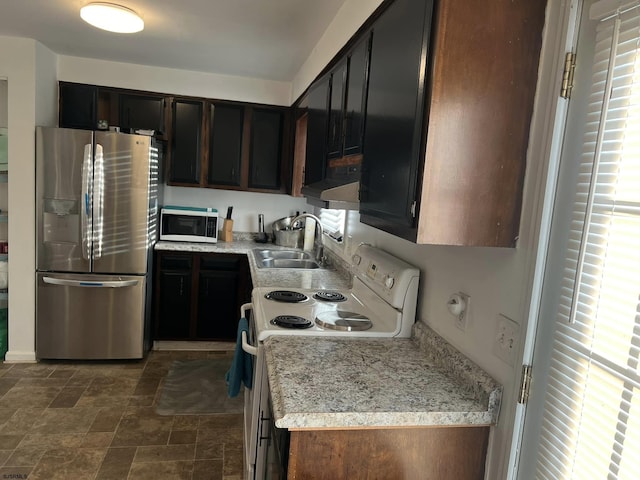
(241, 370)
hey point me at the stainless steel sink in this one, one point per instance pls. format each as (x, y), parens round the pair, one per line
(266, 258)
(291, 254)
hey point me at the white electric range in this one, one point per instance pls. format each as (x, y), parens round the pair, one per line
(381, 303)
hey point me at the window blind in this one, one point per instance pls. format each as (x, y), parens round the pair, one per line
(591, 421)
(333, 222)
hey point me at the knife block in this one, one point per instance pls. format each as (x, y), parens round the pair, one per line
(226, 235)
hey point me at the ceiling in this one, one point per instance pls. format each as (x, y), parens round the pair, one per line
(268, 39)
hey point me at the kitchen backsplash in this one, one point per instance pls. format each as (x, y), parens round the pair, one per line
(246, 205)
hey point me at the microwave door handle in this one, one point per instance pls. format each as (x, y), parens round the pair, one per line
(98, 202)
(246, 346)
(87, 216)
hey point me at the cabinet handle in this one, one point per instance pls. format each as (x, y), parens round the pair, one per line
(181, 286)
(262, 435)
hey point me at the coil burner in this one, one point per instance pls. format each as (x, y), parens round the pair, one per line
(286, 296)
(330, 296)
(291, 321)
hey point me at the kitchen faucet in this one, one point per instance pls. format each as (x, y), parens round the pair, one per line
(320, 258)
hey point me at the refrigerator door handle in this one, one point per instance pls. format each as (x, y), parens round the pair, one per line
(87, 218)
(83, 283)
(98, 202)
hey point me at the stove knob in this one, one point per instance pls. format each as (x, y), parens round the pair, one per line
(356, 259)
(389, 281)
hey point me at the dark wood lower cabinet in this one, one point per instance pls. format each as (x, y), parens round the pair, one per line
(197, 296)
(425, 453)
(173, 296)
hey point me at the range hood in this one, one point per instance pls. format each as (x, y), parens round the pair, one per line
(331, 193)
(340, 188)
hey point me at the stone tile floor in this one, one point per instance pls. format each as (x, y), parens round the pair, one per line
(97, 421)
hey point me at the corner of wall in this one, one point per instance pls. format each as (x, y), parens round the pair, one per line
(46, 86)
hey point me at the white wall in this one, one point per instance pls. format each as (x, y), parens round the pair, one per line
(246, 205)
(499, 281)
(30, 102)
(172, 81)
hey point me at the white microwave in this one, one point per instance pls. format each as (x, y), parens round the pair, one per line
(189, 224)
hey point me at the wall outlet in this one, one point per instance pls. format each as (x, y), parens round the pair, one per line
(458, 305)
(505, 343)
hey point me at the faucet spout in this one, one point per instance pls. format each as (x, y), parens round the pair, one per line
(319, 241)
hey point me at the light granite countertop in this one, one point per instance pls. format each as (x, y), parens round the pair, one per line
(333, 382)
(336, 382)
(322, 278)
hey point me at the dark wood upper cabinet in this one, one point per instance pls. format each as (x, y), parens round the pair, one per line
(78, 106)
(349, 86)
(356, 96)
(450, 100)
(266, 148)
(142, 112)
(209, 143)
(186, 142)
(82, 106)
(225, 144)
(482, 89)
(317, 104)
(335, 138)
(395, 107)
(330, 121)
(243, 148)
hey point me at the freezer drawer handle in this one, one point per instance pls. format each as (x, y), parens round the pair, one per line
(82, 283)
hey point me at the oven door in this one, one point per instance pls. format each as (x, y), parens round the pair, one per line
(256, 404)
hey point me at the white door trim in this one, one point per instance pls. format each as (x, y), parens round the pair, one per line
(548, 131)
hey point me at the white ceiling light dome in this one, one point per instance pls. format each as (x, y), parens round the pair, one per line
(112, 17)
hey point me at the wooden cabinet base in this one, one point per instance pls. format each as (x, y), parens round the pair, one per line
(434, 453)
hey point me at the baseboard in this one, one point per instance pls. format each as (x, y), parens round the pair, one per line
(20, 357)
(181, 345)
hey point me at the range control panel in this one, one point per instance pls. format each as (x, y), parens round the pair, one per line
(385, 274)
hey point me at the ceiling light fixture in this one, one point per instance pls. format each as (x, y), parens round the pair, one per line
(112, 17)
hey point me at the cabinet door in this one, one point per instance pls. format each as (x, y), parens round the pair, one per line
(356, 96)
(266, 149)
(173, 297)
(142, 112)
(78, 106)
(217, 307)
(186, 142)
(218, 297)
(317, 120)
(395, 109)
(225, 144)
(336, 111)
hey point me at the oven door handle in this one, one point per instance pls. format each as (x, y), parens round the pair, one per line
(250, 349)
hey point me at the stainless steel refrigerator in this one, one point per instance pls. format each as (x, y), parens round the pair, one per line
(97, 220)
